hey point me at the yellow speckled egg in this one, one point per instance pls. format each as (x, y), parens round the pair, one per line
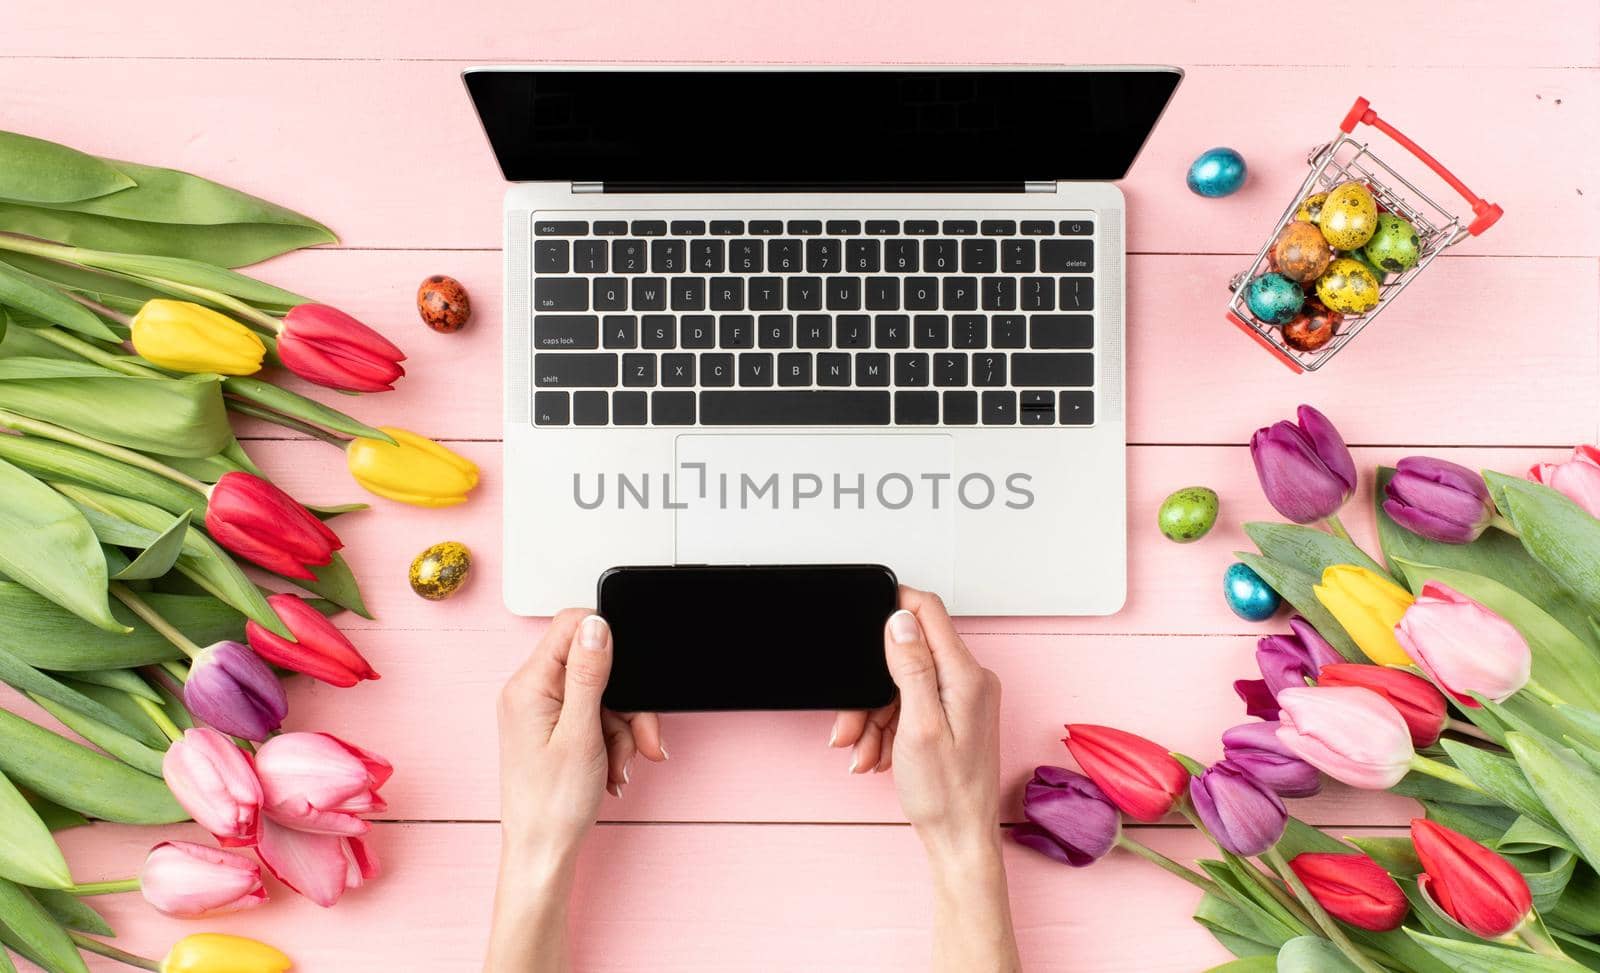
(1348, 287)
(1310, 210)
(440, 570)
(1349, 217)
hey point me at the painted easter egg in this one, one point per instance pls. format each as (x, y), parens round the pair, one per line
(1310, 209)
(1274, 298)
(1348, 287)
(1249, 597)
(1394, 245)
(1349, 217)
(1188, 514)
(443, 304)
(1217, 172)
(1300, 252)
(438, 572)
(1312, 328)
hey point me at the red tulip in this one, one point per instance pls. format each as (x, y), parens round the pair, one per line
(1140, 777)
(327, 346)
(320, 867)
(1353, 888)
(1421, 705)
(1471, 884)
(319, 649)
(259, 522)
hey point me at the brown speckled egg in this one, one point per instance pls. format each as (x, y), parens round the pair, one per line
(1312, 328)
(443, 304)
(1300, 253)
(441, 569)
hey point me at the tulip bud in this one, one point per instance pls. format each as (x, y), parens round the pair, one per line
(317, 782)
(1289, 660)
(329, 347)
(1463, 646)
(1439, 500)
(259, 522)
(1347, 732)
(1368, 606)
(1414, 698)
(1243, 814)
(1578, 479)
(230, 688)
(1305, 470)
(213, 780)
(1468, 882)
(412, 469)
(321, 867)
(1142, 779)
(214, 952)
(1069, 818)
(319, 649)
(1258, 699)
(186, 337)
(1256, 749)
(190, 881)
(1353, 889)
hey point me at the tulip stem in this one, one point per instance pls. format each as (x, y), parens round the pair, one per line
(1543, 695)
(106, 949)
(1500, 523)
(103, 888)
(259, 318)
(1328, 925)
(98, 308)
(1291, 908)
(159, 717)
(96, 354)
(1157, 858)
(176, 670)
(267, 415)
(153, 619)
(1336, 528)
(1533, 935)
(1468, 730)
(45, 430)
(1444, 772)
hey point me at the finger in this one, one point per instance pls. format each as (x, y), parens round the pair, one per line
(869, 749)
(646, 728)
(950, 652)
(544, 671)
(588, 669)
(620, 748)
(847, 728)
(912, 667)
(886, 756)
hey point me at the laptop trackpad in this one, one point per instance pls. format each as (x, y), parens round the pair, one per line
(810, 499)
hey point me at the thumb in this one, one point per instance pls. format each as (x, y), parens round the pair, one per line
(912, 668)
(588, 670)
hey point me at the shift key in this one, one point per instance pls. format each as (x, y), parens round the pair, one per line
(566, 370)
(558, 331)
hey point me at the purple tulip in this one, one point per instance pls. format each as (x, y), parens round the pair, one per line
(1289, 660)
(1069, 818)
(232, 690)
(1243, 814)
(1255, 748)
(1258, 699)
(1305, 469)
(1439, 500)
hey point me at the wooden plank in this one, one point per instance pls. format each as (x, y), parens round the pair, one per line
(1448, 333)
(1545, 33)
(390, 154)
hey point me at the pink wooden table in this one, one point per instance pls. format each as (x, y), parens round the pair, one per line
(752, 849)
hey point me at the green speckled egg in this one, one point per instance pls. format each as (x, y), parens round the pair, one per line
(440, 570)
(1348, 287)
(1188, 514)
(1394, 247)
(1349, 217)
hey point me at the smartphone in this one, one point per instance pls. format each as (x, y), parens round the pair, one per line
(748, 637)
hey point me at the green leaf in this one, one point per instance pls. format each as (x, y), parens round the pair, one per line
(35, 297)
(48, 637)
(113, 290)
(193, 273)
(1579, 908)
(51, 460)
(72, 912)
(134, 753)
(1310, 954)
(1295, 588)
(25, 678)
(121, 680)
(1482, 958)
(54, 816)
(158, 558)
(1263, 963)
(36, 171)
(37, 932)
(337, 583)
(206, 469)
(1482, 823)
(1527, 835)
(1306, 549)
(297, 406)
(1499, 775)
(28, 853)
(1242, 928)
(46, 544)
(81, 779)
(185, 416)
(1563, 536)
(1569, 787)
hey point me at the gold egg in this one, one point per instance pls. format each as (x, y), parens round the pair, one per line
(440, 570)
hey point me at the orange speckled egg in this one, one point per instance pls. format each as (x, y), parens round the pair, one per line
(1300, 252)
(443, 304)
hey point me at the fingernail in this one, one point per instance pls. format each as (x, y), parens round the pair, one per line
(663, 748)
(903, 627)
(592, 633)
(614, 790)
(854, 759)
(833, 734)
(626, 777)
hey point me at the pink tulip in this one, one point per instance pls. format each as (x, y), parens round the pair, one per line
(215, 782)
(1463, 646)
(1349, 733)
(1577, 478)
(190, 881)
(317, 782)
(320, 867)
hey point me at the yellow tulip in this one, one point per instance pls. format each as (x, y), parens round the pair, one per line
(186, 337)
(413, 469)
(1369, 606)
(213, 952)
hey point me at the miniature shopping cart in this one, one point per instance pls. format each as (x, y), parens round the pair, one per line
(1347, 159)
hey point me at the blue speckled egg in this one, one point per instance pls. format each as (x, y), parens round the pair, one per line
(1217, 172)
(1248, 596)
(1274, 298)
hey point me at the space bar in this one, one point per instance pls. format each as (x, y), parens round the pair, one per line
(796, 408)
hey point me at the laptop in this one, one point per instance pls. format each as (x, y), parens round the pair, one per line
(818, 315)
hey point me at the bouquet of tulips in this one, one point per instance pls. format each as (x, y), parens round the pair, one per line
(151, 576)
(1464, 671)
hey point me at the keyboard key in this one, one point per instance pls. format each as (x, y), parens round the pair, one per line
(736, 331)
(960, 227)
(776, 331)
(677, 371)
(659, 331)
(649, 293)
(667, 256)
(883, 227)
(589, 256)
(716, 370)
(794, 368)
(1061, 331)
(950, 369)
(999, 293)
(853, 331)
(629, 408)
(688, 294)
(805, 294)
(560, 227)
(843, 227)
(783, 256)
(560, 294)
(814, 331)
(1052, 369)
(931, 331)
(766, 227)
(1077, 408)
(620, 331)
(911, 369)
(883, 293)
(833, 369)
(551, 409)
(960, 294)
(672, 408)
(688, 227)
(844, 293)
(1037, 227)
(766, 294)
(940, 256)
(891, 331)
(1077, 227)
(574, 370)
(822, 256)
(921, 227)
(610, 294)
(707, 256)
(727, 294)
(1077, 293)
(744, 256)
(916, 408)
(971, 331)
(639, 370)
(1038, 294)
(872, 369)
(590, 408)
(979, 256)
(566, 331)
(755, 369)
(610, 227)
(805, 227)
(989, 369)
(900, 256)
(999, 227)
(697, 331)
(1017, 256)
(551, 257)
(1008, 331)
(1066, 256)
(649, 227)
(627, 256)
(1038, 409)
(960, 408)
(862, 256)
(794, 407)
(727, 227)
(1000, 408)
(922, 294)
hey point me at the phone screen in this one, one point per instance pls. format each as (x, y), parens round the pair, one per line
(748, 637)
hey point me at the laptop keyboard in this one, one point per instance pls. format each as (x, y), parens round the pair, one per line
(812, 322)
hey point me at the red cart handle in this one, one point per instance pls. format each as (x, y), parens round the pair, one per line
(1485, 213)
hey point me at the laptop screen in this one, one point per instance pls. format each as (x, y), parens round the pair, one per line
(882, 129)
